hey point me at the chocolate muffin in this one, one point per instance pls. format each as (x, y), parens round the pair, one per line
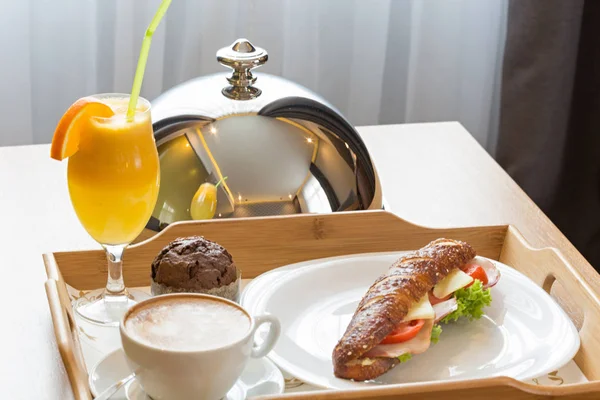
(195, 265)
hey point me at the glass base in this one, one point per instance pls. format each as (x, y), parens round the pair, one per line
(104, 309)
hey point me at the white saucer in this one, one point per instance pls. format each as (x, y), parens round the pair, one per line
(261, 377)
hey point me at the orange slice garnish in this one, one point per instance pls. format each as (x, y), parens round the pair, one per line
(67, 135)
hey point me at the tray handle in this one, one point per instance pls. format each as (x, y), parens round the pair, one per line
(67, 339)
(547, 267)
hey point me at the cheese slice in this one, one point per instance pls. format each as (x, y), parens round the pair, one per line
(420, 310)
(451, 283)
(367, 361)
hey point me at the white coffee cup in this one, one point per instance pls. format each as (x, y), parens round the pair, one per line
(207, 374)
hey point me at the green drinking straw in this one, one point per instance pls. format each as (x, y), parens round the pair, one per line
(221, 181)
(141, 66)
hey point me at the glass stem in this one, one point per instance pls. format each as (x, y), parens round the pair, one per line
(115, 287)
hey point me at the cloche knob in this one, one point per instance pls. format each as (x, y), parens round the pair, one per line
(242, 57)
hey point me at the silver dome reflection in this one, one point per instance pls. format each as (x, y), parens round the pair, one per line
(284, 150)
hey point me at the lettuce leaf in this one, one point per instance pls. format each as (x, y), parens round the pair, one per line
(471, 301)
(435, 333)
(404, 357)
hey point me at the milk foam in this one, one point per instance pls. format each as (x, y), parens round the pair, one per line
(187, 324)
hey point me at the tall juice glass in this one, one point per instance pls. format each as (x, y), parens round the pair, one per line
(113, 184)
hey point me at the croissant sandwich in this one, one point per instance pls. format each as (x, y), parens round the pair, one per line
(398, 316)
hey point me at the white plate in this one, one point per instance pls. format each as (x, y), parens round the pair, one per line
(260, 377)
(524, 333)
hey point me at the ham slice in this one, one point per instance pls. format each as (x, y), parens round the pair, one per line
(416, 345)
(492, 272)
(444, 308)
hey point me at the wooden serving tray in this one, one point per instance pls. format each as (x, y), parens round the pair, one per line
(261, 244)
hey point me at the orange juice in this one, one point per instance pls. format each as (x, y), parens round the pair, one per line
(114, 176)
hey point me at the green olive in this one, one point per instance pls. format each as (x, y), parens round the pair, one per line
(204, 202)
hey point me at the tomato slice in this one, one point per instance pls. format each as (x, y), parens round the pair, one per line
(404, 332)
(476, 272)
(434, 300)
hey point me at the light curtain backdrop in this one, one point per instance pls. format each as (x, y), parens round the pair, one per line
(378, 61)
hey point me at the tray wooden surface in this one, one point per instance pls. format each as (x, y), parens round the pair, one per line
(261, 244)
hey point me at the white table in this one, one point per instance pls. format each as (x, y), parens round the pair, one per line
(464, 187)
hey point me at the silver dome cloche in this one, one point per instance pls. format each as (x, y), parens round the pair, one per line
(273, 147)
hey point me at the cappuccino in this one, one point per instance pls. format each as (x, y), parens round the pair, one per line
(187, 324)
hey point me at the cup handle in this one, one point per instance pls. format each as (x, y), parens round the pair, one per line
(266, 346)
